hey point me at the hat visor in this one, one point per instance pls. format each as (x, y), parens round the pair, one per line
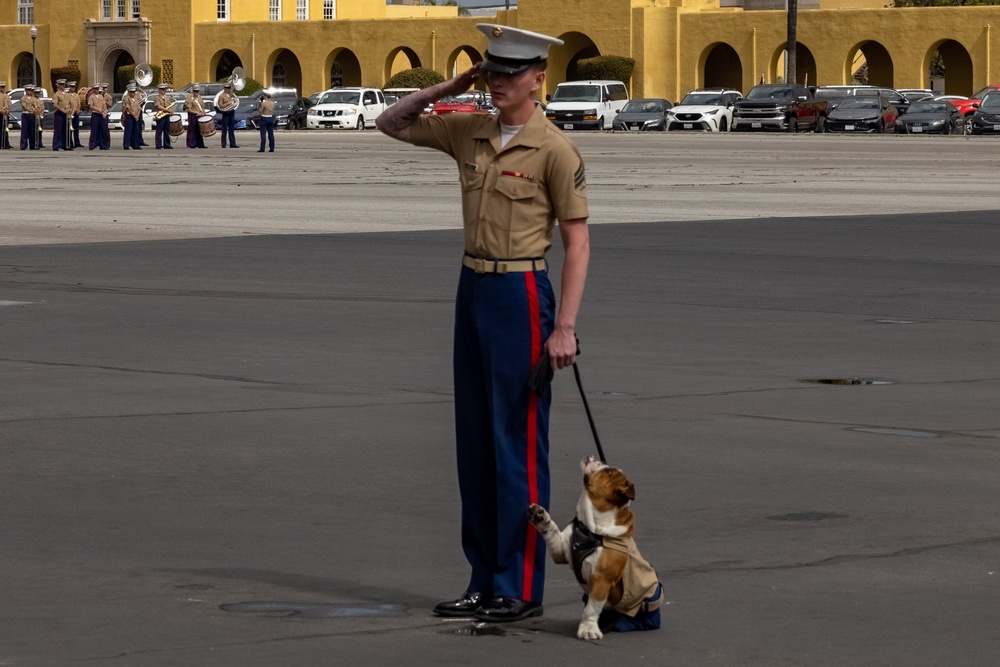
(492, 66)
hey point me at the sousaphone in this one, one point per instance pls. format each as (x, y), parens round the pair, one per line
(143, 77)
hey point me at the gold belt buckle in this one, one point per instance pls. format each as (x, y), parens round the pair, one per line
(480, 265)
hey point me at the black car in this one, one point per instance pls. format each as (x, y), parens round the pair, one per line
(986, 120)
(48, 118)
(289, 113)
(644, 114)
(931, 117)
(862, 114)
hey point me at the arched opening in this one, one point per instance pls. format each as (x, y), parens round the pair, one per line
(284, 70)
(223, 64)
(399, 59)
(563, 59)
(948, 67)
(114, 61)
(869, 64)
(805, 65)
(22, 71)
(721, 67)
(344, 69)
(462, 59)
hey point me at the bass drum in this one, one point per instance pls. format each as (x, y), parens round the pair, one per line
(206, 125)
(176, 125)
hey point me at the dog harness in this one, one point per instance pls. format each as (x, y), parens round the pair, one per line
(641, 585)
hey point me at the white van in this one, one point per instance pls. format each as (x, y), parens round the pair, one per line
(586, 105)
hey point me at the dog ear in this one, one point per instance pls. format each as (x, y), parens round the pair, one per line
(624, 493)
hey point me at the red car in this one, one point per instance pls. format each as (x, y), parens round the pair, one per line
(474, 101)
(969, 106)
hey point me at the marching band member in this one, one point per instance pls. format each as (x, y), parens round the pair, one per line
(131, 111)
(195, 108)
(39, 114)
(62, 104)
(99, 135)
(229, 102)
(29, 134)
(73, 139)
(266, 121)
(81, 104)
(163, 104)
(110, 102)
(5, 114)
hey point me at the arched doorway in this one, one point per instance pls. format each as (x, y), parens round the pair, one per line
(23, 75)
(116, 59)
(284, 70)
(344, 68)
(399, 59)
(948, 67)
(224, 62)
(462, 59)
(721, 67)
(805, 65)
(563, 59)
(870, 64)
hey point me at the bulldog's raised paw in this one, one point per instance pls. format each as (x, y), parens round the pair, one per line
(537, 514)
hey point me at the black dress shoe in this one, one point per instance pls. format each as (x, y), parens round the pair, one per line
(507, 610)
(464, 607)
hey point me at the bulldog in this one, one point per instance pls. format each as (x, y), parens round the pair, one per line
(622, 590)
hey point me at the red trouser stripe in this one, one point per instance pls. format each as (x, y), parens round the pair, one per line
(532, 440)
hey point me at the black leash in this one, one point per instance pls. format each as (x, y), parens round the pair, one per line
(541, 379)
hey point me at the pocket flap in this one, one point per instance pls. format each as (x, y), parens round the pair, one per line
(517, 188)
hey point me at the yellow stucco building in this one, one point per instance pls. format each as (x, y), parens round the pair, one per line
(678, 45)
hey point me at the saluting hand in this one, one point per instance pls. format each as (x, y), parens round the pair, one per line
(460, 83)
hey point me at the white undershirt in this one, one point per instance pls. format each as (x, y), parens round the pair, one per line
(507, 132)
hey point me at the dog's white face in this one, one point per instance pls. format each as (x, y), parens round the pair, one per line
(606, 491)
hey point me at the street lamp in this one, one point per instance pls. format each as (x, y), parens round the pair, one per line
(34, 63)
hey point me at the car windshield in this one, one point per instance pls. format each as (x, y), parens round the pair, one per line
(781, 93)
(577, 94)
(341, 97)
(465, 98)
(246, 104)
(116, 107)
(707, 99)
(985, 91)
(829, 94)
(643, 106)
(930, 107)
(991, 101)
(858, 103)
(284, 105)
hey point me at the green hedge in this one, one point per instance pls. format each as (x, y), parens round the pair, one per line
(127, 73)
(68, 73)
(418, 77)
(613, 68)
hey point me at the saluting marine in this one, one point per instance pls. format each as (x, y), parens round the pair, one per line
(5, 113)
(131, 110)
(163, 103)
(98, 105)
(195, 108)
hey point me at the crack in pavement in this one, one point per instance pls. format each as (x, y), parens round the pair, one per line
(730, 566)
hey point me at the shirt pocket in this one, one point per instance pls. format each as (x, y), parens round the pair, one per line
(514, 206)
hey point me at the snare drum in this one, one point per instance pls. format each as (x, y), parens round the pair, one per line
(206, 125)
(176, 125)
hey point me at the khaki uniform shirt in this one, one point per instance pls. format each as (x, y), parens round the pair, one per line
(4, 103)
(61, 101)
(639, 579)
(110, 101)
(163, 102)
(511, 198)
(99, 104)
(267, 108)
(39, 108)
(226, 100)
(194, 105)
(131, 106)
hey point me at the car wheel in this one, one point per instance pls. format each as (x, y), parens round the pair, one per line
(723, 125)
(793, 125)
(292, 125)
(821, 125)
(881, 127)
(946, 129)
(361, 124)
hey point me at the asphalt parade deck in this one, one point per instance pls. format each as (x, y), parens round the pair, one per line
(238, 450)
